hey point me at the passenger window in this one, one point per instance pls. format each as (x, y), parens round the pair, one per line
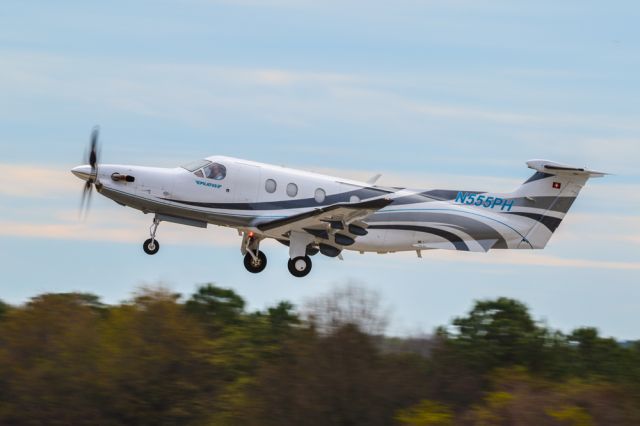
(292, 189)
(215, 171)
(199, 173)
(270, 186)
(320, 195)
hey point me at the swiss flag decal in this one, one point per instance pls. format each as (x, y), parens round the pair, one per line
(556, 185)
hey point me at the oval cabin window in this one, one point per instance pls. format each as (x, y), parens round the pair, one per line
(320, 195)
(270, 186)
(292, 189)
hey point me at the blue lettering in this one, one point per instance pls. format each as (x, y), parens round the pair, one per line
(471, 199)
(479, 200)
(209, 184)
(488, 202)
(497, 202)
(461, 197)
(507, 204)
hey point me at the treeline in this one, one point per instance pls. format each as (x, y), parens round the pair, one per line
(159, 359)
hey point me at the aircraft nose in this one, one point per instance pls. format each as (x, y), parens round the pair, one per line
(82, 172)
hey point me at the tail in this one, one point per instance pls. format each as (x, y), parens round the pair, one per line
(538, 206)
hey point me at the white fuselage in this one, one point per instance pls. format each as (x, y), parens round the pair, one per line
(241, 200)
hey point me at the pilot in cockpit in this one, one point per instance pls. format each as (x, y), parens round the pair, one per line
(215, 171)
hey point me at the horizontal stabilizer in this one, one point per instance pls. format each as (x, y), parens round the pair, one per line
(553, 168)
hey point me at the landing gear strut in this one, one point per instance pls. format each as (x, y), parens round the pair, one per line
(299, 262)
(254, 260)
(151, 246)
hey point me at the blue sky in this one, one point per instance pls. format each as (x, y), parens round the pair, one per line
(430, 93)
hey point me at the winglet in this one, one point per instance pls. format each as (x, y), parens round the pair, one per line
(372, 180)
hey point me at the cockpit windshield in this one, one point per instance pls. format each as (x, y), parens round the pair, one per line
(195, 165)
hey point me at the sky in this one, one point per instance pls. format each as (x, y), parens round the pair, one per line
(432, 94)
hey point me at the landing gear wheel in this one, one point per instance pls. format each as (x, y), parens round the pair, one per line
(151, 246)
(255, 265)
(299, 266)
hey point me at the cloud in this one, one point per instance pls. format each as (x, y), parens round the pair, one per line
(30, 180)
(536, 259)
(113, 227)
(189, 92)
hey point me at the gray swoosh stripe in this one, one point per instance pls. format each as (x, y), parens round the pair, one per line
(550, 222)
(475, 228)
(556, 204)
(458, 243)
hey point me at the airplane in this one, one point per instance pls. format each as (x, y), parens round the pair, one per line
(314, 213)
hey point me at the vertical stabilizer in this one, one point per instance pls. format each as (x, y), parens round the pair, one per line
(544, 199)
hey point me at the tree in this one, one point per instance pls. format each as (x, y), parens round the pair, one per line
(4, 308)
(500, 333)
(49, 353)
(155, 363)
(594, 355)
(332, 372)
(350, 304)
(216, 307)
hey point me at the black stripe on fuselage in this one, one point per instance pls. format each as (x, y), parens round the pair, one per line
(432, 195)
(344, 197)
(550, 222)
(457, 242)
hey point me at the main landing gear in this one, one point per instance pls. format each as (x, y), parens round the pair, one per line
(151, 246)
(299, 262)
(299, 266)
(255, 261)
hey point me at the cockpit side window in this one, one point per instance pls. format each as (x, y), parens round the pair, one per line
(199, 173)
(195, 165)
(215, 171)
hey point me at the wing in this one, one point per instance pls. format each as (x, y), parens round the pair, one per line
(323, 222)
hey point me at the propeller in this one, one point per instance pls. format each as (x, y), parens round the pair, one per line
(92, 180)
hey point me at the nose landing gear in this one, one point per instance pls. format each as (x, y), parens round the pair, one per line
(151, 246)
(255, 263)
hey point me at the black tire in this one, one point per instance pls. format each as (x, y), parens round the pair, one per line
(299, 266)
(255, 265)
(151, 246)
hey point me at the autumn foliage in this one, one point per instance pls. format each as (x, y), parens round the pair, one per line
(204, 360)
